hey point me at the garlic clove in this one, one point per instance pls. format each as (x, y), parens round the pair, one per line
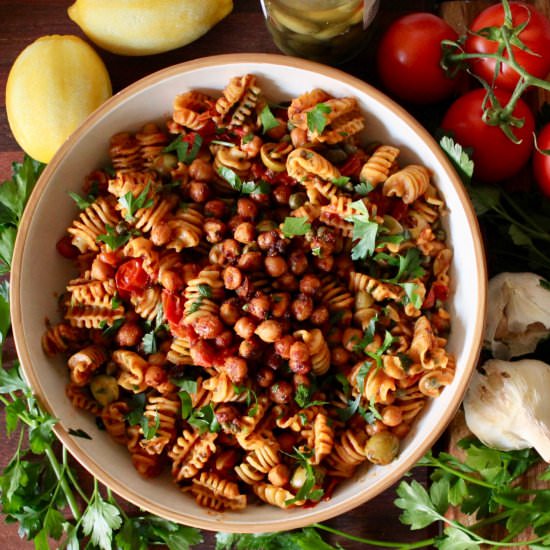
(518, 315)
(505, 405)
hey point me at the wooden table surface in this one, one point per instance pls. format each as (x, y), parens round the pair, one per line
(243, 30)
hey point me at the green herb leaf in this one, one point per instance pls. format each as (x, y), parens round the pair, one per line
(99, 520)
(82, 202)
(204, 419)
(186, 404)
(149, 343)
(113, 238)
(268, 120)
(150, 430)
(458, 157)
(342, 181)
(418, 509)
(293, 227)
(363, 188)
(246, 188)
(137, 407)
(317, 118)
(79, 433)
(307, 491)
(181, 147)
(364, 232)
(132, 204)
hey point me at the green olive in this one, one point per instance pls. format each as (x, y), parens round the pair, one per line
(104, 388)
(382, 447)
(164, 163)
(296, 200)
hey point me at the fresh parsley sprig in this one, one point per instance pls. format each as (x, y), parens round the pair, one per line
(261, 187)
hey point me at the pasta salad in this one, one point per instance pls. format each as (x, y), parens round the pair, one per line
(260, 305)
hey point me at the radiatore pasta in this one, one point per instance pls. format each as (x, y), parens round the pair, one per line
(260, 303)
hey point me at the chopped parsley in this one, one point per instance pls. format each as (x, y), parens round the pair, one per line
(132, 204)
(116, 236)
(293, 227)
(268, 120)
(364, 232)
(247, 187)
(363, 188)
(181, 147)
(317, 118)
(150, 429)
(313, 477)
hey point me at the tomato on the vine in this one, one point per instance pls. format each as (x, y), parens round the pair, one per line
(408, 58)
(541, 161)
(535, 58)
(131, 277)
(495, 156)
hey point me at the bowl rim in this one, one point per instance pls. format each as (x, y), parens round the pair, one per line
(288, 522)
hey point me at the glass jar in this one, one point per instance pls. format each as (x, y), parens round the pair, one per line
(330, 31)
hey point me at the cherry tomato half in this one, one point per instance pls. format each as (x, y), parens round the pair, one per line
(535, 59)
(131, 277)
(408, 58)
(66, 248)
(172, 306)
(495, 156)
(541, 162)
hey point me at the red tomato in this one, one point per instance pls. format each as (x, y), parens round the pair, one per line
(495, 156)
(541, 162)
(536, 37)
(172, 306)
(131, 277)
(408, 58)
(66, 248)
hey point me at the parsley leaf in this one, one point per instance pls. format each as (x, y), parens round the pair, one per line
(204, 419)
(115, 237)
(459, 158)
(410, 266)
(99, 520)
(317, 118)
(82, 202)
(363, 188)
(293, 227)
(181, 147)
(303, 397)
(364, 232)
(150, 430)
(137, 407)
(342, 181)
(418, 509)
(312, 478)
(246, 188)
(268, 120)
(132, 204)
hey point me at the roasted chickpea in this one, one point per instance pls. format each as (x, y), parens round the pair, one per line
(301, 380)
(265, 377)
(208, 326)
(275, 266)
(392, 416)
(226, 413)
(259, 306)
(298, 263)
(298, 137)
(215, 208)
(284, 344)
(319, 316)
(280, 302)
(232, 277)
(245, 328)
(101, 270)
(250, 261)
(300, 359)
(129, 334)
(224, 339)
(343, 265)
(302, 307)
(251, 348)
(244, 232)
(155, 376)
(273, 360)
(201, 170)
(269, 331)
(236, 368)
(286, 281)
(235, 221)
(375, 427)
(215, 230)
(279, 475)
(277, 132)
(310, 284)
(325, 263)
(401, 430)
(199, 191)
(216, 256)
(160, 234)
(247, 208)
(339, 356)
(231, 250)
(281, 392)
(246, 290)
(267, 239)
(382, 447)
(282, 193)
(230, 312)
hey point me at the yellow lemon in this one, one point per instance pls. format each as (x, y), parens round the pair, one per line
(143, 27)
(54, 84)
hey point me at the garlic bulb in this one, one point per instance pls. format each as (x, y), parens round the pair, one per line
(507, 406)
(518, 314)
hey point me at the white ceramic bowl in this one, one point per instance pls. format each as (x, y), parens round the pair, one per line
(38, 274)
